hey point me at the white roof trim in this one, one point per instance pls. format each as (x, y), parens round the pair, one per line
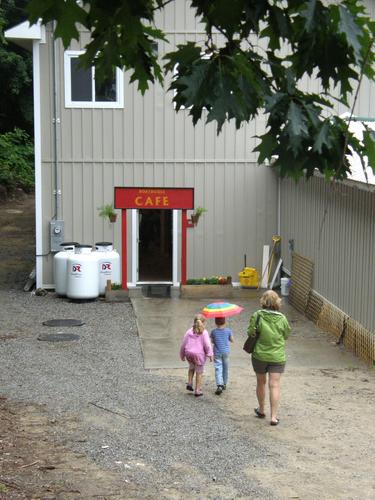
(26, 31)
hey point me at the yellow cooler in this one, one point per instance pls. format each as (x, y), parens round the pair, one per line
(249, 277)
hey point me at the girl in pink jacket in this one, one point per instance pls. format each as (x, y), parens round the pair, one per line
(196, 348)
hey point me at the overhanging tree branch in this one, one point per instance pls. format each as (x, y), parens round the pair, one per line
(325, 39)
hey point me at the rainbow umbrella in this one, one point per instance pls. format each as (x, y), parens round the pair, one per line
(221, 310)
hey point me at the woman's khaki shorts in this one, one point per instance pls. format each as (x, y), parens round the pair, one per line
(267, 366)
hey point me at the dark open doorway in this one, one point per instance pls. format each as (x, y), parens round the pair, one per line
(155, 245)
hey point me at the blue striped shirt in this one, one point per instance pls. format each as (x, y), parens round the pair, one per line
(220, 340)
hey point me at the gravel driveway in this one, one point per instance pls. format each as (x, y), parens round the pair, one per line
(141, 424)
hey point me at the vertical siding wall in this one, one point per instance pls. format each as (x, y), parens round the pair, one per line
(334, 225)
(148, 144)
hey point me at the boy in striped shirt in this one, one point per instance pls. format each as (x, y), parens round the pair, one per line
(220, 337)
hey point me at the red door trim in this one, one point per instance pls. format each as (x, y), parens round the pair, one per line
(184, 225)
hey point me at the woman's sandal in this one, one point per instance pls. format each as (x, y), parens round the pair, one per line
(258, 413)
(197, 394)
(189, 387)
(275, 422)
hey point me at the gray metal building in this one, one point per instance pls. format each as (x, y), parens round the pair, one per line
(334, 226)
(85, 148)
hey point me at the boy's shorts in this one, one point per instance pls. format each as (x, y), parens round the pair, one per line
(267, 366)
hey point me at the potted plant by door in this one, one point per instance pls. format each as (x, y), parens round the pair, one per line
(108, 211)
(196, 215)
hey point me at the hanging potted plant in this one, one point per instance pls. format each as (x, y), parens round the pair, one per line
(197, 213)
(108, 211)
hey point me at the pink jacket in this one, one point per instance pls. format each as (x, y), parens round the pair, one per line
(196, 348)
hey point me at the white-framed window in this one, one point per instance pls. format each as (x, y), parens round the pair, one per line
(82, 90)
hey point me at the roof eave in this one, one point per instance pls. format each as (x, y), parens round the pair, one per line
(24, 34)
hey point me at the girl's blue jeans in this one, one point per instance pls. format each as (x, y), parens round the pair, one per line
(221, 363)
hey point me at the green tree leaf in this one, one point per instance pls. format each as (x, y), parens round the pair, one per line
(16, 96)
(16, 160)
(267, 147)
(350, 29)
(369, 143)
(322, 138)
(296, 127)
(308, 13)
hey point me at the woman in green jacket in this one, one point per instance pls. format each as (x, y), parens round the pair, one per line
(269, 352)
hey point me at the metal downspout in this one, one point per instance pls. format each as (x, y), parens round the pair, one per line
(56, 123)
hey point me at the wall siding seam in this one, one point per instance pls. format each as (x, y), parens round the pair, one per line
(161, 161)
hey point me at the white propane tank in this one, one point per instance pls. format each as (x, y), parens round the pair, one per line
(83, 276)
(109, 264)
(60, 266)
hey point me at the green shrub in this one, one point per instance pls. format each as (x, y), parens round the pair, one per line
(16, 160)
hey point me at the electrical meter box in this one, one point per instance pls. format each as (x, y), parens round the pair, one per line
(56, 234)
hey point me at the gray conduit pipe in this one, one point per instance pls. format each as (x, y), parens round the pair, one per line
(56, 128)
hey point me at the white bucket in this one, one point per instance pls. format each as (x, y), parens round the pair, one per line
(285, 286)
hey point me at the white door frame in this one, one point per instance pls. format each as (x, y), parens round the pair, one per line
(135, 253)
(134, 246)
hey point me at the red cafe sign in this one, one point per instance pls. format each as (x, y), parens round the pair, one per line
(154, 198)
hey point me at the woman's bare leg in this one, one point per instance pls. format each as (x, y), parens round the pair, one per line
(274, 387)
(261, 390)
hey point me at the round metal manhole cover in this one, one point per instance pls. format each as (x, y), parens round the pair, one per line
(58, 337)
(63, 322)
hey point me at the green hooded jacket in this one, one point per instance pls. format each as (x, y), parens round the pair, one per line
(274, 329)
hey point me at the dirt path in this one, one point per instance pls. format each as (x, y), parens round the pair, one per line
(324, 446)
(325, 438)
(17, 241)
(34, 465)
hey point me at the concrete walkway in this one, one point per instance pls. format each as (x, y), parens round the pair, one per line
(163, 322)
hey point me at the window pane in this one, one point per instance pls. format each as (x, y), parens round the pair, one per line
(106, 91)
(81, 81)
